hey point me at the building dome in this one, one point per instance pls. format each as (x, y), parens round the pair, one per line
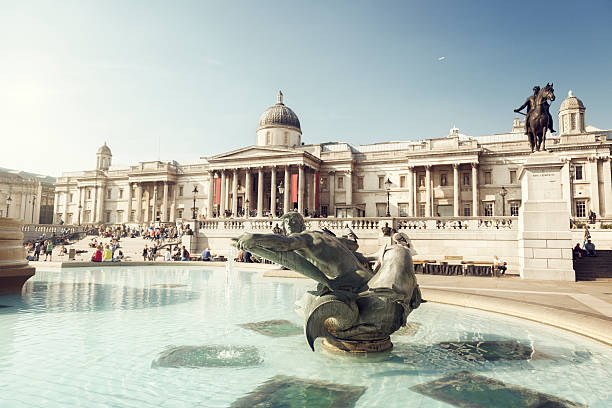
(279, 116)
(571, 102)
(104, 150)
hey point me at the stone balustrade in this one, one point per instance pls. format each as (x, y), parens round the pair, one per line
(52, 228)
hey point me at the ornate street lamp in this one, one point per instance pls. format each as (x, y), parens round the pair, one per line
(281, 191)
(195, 192)
(80, 208)
(503, 193)
(8, 202)
(246, 208)
(388, 188)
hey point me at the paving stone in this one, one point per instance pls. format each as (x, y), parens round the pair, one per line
(492, 350)
(274, 328)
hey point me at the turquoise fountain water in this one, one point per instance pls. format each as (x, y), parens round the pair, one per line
(211, 337)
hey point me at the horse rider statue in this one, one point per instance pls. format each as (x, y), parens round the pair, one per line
(530, 104)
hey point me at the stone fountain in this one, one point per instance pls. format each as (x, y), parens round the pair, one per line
(14, 269)
(354, 309)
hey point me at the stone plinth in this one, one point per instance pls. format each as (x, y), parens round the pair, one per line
(544, 238)
(14, 269)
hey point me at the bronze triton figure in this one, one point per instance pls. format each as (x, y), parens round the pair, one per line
(354, 309)
(538, 119)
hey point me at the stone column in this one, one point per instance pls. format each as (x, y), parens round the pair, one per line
(129, 202)
(415, 194)
(594, 185)
(55, 206)
(349, 187)
(222, 202)
(428, 209)
(273, 191)
(607, 186)
(260, 184)
(66, 202)
(301, 189)
(227, 193)
(475, 189)
(22, 209)
(100, 204)
(456, 190)
(410, 192)
(287, 193)
(211, 194)
(173, 205)
(331, 211)
(154, 215)
(165, 203)
(39, 203)
(138, 202)
(248, 186)
(315, 187)
(235, 193)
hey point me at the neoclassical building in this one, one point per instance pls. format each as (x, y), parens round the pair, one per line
(451, 176)
(27, 196)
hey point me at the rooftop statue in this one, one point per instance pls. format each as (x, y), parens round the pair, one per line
(538, 119)
(354, 309)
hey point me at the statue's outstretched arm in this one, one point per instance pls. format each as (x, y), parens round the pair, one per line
(523, 106)
(272, 241)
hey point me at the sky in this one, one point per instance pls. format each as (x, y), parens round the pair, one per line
(180, 80)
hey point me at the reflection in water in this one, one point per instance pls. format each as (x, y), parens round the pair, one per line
(274, 328)
(464, 389)
(208, 356)
(89, 297)
(289, 392)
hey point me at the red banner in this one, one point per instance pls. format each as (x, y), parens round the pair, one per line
(294, 188)
(217, 191)
(316, 191)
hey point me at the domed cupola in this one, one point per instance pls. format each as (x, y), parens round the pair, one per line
(279, 126)
(571, 115)
(103, 157)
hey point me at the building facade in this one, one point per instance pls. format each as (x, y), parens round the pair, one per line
(451, 176)
(26, 196)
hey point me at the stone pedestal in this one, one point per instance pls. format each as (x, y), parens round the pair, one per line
(544, 239)
(14, 269)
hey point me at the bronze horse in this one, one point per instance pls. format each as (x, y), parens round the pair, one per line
(538, 120)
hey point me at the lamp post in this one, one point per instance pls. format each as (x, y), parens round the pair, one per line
(388, 188)
(281, 191)
(246, 208)
(503, 193)
(195, 192)
(572, 175)
(8, 202)
(33, 204)
(80, 208)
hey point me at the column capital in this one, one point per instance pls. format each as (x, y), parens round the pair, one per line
(474, 165)
(349, 172)
(332, 172)
(235, 171)
(456, 165)
(410, 168)
(260, 169)
(428, 166)
(593, 158)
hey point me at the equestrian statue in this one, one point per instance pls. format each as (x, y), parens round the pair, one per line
(354, 309)
(538, 119)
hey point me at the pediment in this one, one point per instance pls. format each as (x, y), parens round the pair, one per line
(255, 152)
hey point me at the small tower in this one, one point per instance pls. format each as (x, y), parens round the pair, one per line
(279, 126)
(571, 115)
(103, 158)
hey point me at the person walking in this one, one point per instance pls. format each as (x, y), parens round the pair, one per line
(587, 236)
(49, 250)
(145, 253)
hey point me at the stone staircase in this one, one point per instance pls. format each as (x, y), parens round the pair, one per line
(131, 247)
(591, 268)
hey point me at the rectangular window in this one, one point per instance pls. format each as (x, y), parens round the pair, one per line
(421, 210)
(89, 194)
(578, 172)
(467, 210)
(381, 182)
(421, 180)
(403, 209)
(120, 193)
(381, 209)
(402, 181)
(340, 183)
(107, 218)
(443, 180)
(514, 208)
(324, 183)
(119, 216)
(466, 179)
(580, 208)
(87, 216)
(488, 209)
(573, 119)
(108, 193)
(512, 176)
(71, 197)
(180, 213)
(180, 191)
(132, 215)
(324, 211)
(360, 183)
(487, 177)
